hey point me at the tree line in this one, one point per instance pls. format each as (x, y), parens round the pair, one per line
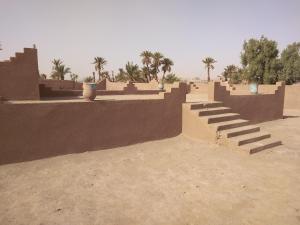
(262, 63)
(153, 64)
(260, 59)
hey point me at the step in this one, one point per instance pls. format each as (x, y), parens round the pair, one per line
(213, 111)
(250, 138)
(19, 54)
(204, 105)
(230, 124)
(261, 145)
(240, 131)
(221, 117)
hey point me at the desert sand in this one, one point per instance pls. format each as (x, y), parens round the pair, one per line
(173, 181)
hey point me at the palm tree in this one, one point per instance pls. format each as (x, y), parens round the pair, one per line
(89, 79)
(209, 65)
(56, 63)
(105, 74)
(171, 78)
(133, 71)
(229, 71)
(94, 78)
(121, 76)
(157, 56)
(59, 70)
(74, 77)
(166, 66)
(62, 71)
(146, 60)
(99, 63)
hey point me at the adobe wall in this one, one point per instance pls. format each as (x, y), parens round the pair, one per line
(19, 76)
(256, 108)
(244, 89)
(38, 130)
(115, 86)
(292, 97)
(64, 88)
(61, 84)
(198, 88)
(152, 85)
(168, 87)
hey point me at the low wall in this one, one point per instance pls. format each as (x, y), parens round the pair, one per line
(244, 88)
(118, 86)
(61, 84)
(115, 86)
(291, 99)
(256, 108)
(64, 88)
(46, 92)
(38, 130)
(19, 76)
(129, 89)
(152, 85)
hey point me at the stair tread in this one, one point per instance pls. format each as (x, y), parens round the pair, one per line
(260, 143)
(238, 129)
(210, 109)
(236, 121)
(220, 115)
(204, 102)
(249, 136)
(230, 122)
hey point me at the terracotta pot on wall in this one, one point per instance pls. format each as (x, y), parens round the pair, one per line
(89, 91)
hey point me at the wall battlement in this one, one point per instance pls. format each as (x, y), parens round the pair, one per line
(19, 76)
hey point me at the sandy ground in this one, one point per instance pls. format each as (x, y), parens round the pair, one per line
(172, 181)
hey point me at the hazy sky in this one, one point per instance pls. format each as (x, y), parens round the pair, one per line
(185, 31)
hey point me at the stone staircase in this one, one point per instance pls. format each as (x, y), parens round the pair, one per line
(225, 127)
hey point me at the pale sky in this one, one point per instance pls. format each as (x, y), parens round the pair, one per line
(185, 31)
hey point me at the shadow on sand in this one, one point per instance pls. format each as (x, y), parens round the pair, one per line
(286, 117)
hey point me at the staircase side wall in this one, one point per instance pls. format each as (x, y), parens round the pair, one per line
(194, 127)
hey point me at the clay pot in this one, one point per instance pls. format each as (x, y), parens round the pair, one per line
(253, 88)
(89, 91)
